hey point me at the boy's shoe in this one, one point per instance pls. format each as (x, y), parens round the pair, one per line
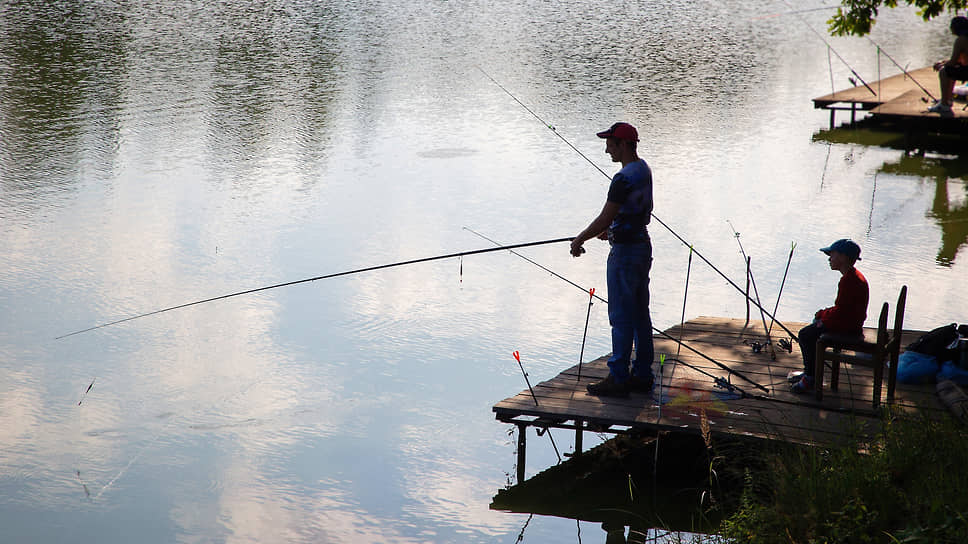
(608, 388)
(804, 385)
(794, 376)
(940, 107)
(641, 385)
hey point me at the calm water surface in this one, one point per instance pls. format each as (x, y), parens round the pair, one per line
(156, 153)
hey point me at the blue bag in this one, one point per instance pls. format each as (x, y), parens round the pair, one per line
(950, 371)
(914, 367)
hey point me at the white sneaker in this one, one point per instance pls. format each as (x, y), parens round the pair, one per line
(940, 107)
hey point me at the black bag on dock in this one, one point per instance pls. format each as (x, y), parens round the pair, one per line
(937, 342)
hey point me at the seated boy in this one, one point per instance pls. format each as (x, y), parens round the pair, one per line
(846, 316)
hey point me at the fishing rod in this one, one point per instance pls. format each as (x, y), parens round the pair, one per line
(588, 314)
(323, 277)
(880, 50)
(661, 332)
(517, 356)
(661, 222)
(793, 245)
(756, 292)
(830, 47)
(717, 380)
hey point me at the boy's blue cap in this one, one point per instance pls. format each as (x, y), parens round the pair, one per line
(846, 246)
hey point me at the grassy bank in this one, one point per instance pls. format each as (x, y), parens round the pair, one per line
(909, 485)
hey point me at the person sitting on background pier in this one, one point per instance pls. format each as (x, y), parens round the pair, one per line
(846, 316)
(623, 221)
(953, 69)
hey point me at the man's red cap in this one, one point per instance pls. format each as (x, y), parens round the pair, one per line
(622, 131)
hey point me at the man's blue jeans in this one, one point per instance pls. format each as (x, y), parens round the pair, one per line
(628, 309)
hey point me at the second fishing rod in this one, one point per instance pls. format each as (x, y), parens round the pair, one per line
(719, 381)
(656, 218)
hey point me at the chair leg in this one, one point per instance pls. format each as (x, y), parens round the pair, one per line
(818, 372)
(892, 378)
(835, 371)
(878, 381)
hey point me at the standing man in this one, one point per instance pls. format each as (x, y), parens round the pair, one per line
(623, 221)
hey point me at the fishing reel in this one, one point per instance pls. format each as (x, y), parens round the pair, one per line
(756, 346)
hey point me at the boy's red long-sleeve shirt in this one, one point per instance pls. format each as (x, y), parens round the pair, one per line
(849, 311)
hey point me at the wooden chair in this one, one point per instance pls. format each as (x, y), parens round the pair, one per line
(884, 350)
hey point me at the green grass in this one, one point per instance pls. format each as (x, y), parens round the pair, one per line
(910, 485)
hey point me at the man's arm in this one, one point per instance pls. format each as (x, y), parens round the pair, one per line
(959, 54)
(596, 227)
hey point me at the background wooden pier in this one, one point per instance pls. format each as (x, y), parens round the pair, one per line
(687, 400)
(899, 100)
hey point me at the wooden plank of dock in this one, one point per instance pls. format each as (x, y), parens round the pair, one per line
(884, 90)
(900, 101)
(687, 399)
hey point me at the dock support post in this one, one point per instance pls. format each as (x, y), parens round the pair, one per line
(522, 444)
(853, 111)
(833, 112)
(579, 428)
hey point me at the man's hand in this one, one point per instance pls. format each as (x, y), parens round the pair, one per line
(576, 249)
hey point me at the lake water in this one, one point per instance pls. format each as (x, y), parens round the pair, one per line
(157, 153)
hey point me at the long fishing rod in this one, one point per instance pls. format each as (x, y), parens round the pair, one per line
(903, 69)
(829, 47)
(719, 381)
(755, 290)
(661, 332)
(793, 245)
(661, 222)
(323, 277)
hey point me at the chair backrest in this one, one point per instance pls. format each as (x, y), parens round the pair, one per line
(882, 337)
(894, 345)
(899, 313)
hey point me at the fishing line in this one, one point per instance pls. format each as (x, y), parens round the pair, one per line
(823, 173)
(327, 276)
(870, 218)
(685, 296)
(588, 314)
(84, 396)
(781, 14)
(829, 47)
(660, 221)
(663, 334)
(521, 534)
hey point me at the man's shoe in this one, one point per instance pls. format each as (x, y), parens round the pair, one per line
(641, 385)
(940, 107)
(608, 388)
(804, 385)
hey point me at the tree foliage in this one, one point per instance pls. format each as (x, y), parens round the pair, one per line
(856, 17)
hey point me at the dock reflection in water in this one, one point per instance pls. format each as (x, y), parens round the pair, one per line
(647, 484)
(938, 160)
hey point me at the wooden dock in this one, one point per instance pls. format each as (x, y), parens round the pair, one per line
(699, 396)
(898, 100)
